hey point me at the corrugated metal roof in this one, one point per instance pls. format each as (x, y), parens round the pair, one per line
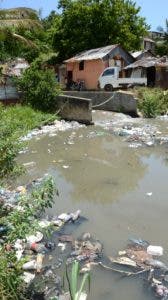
(138, 53)
(146, 39)
(97, 53)
(147, 63)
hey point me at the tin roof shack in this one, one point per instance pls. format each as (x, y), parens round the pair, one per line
(88, 65)
(8, 91)
(148, 44)
(162, 75)
(142, 54)
(153, 68)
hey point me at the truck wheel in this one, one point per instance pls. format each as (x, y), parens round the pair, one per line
(108, 87)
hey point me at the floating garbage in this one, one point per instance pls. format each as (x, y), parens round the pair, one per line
(30, 265)
(28, 277)
(155, 250)
(62, 246)
(35, 238)
(52, 129)
(75, 215)
(38, 247)
(39, 262)
(44, 223)
(64, 217)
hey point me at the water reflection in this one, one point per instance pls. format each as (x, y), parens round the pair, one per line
(100, 169)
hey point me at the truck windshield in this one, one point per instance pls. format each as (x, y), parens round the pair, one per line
(108, 72)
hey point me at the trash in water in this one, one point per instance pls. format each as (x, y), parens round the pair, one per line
(30, 265)
(149, 194)
(35, 238)
(39, 262)
(155, 250)
(29, 164)
(62, 246)
(28, 277)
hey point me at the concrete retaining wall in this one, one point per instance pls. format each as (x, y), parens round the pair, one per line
(75, 108)
(122, 101)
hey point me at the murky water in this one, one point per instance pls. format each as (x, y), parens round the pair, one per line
(99, 172)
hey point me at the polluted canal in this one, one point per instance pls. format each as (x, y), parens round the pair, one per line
(116, 173)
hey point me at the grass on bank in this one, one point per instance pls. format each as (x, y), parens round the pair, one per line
(19, 224)
(152, 101)
(15, 122)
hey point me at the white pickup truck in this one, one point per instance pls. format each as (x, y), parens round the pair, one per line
(109, 79)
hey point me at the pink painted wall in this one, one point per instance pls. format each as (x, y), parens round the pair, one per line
(90, 74)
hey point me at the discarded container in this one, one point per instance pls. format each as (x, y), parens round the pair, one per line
(39, 262)
(44, 223)
(38, 247)
(28, 277)
(30, 265)
(155, 250)
(34, 238)
(50, 245)
(75, 215)
(58, 223)
(65, 217)
(21, 189)
(62, 246)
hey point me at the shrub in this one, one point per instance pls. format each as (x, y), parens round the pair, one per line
(152, 102)
(39, 88)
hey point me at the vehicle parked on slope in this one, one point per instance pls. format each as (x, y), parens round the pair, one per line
(109, 80)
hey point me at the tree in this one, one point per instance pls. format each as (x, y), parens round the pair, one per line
(162, 45)
(38, 86)
(86, 24)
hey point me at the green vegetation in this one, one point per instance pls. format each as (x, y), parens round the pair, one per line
(81, 25)
(39, 88)
(162, 45)
(86, 24)
(20, 224)
(152, 102)
(16, 122)
(75, 289)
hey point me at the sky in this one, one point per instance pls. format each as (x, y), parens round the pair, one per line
(155, 11)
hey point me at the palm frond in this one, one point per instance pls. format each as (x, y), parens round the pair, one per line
(24, 40)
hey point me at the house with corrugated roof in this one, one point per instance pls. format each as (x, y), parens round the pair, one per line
(154, 68)
(88, 65)
(10, 69)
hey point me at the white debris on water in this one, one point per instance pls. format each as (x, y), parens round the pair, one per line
(53, 129)
(137, 132)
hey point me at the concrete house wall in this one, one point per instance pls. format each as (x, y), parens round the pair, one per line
(90, 74)
(117, 56)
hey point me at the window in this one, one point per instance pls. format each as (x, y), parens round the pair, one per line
(108, 72)
(81, 65)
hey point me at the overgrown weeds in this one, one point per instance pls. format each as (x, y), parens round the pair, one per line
(15, 122)
(21, 223)
(152, 102)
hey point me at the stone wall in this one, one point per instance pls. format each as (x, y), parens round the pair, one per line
(119, 101)
(75, 108)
